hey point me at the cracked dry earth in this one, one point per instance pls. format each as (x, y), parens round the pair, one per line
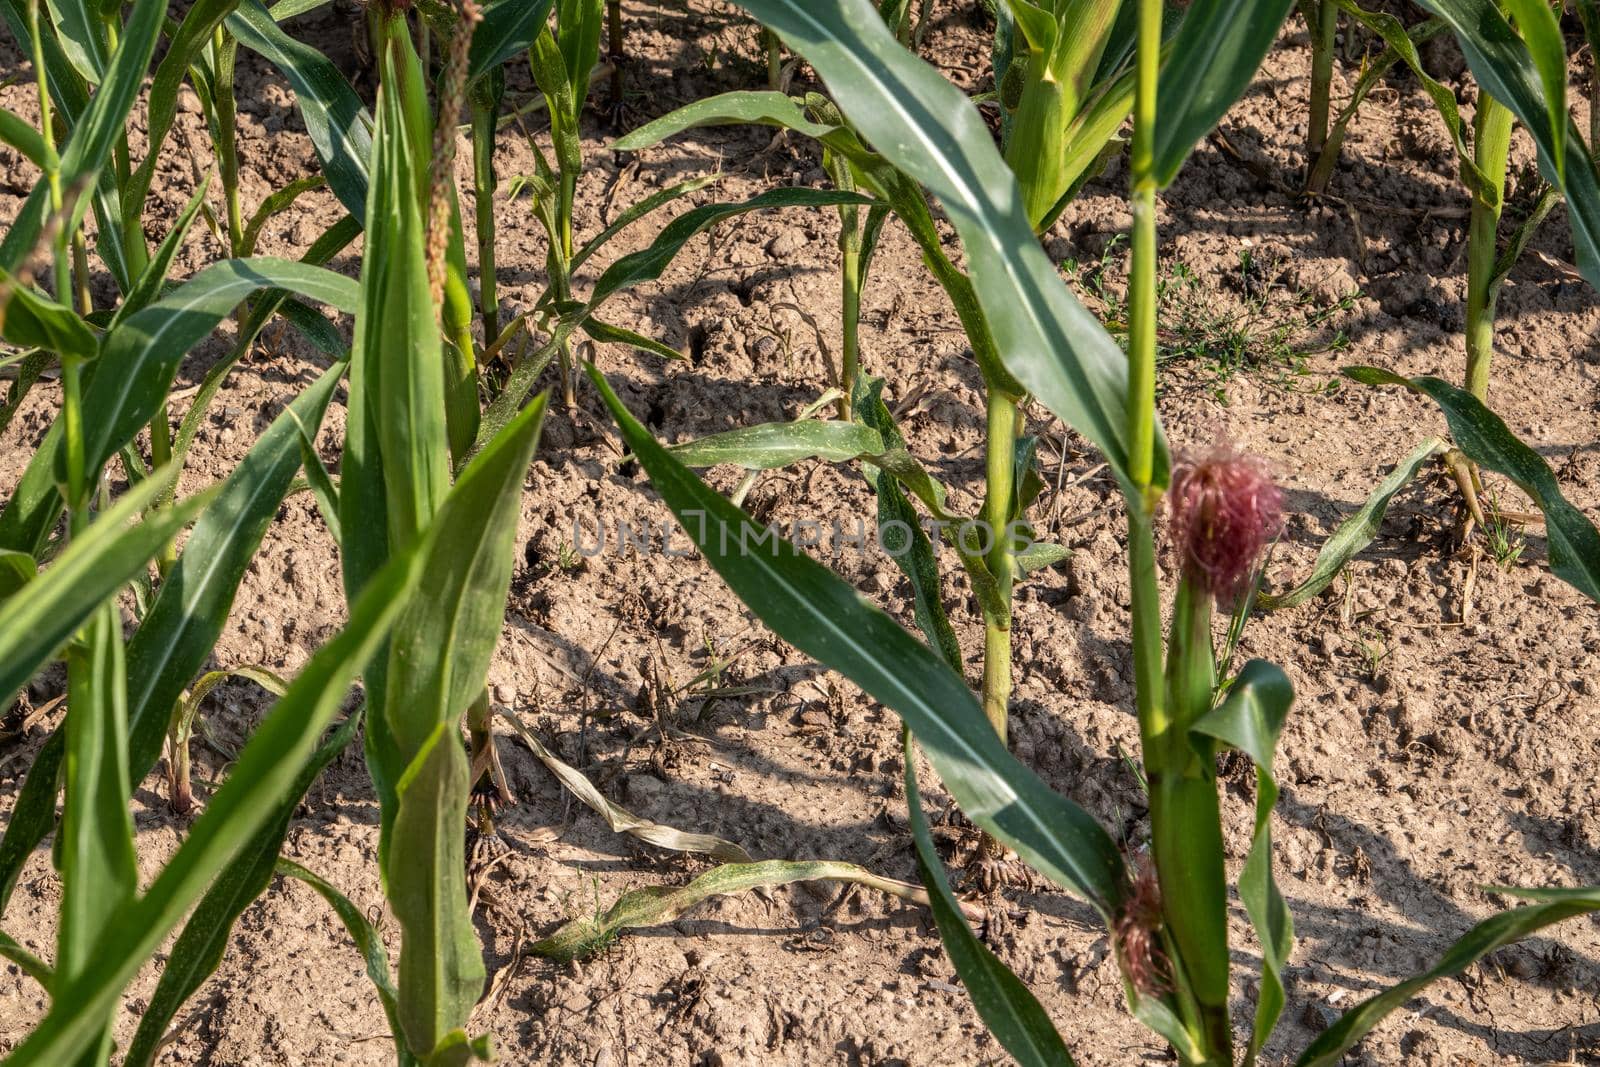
(1448, 721)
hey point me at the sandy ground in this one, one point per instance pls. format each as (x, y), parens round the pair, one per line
(1437, 746)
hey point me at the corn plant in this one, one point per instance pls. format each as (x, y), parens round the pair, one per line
(1062, 124)
(1524, 68)
(116, 367)
(1522, 76)
(1168, 920)
(1063, 78)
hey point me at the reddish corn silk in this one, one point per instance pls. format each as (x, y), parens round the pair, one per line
(1225, 509)
(1138, 933)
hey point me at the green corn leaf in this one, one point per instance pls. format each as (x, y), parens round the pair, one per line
(82, 36)
(549, 69)
(811, 608)
(284, 10)
(1041, 554)
(441, 962)
(1555, 906)
(617, 335)
(321, 482)
(648, 263)
(200, 947)
(1480, 433)
(1509, 72)
(338, 125)
(21, 136)
(726, 109)
(779, 444)
(68, 91)
(315, 328)
(99, 871)
(498, 415)
(29, 371)
(578, 27)
(1356, 532)
(442, 645)
(368, 941)
(36, 621)
(1036, 25)
(1011, 1013)
(1090, 139)
(1541, 33)
(17, 569)
(188, 614)
(438, 657)
(31, 965)
(322, 250)
(99, 127)
(395, 468)
(1250, 719)
(148, 347)
(192, 606)
(508, 29)
(35, 504)
(260, 781)
(161, 107)
(926, 127)
(398, 363)
(145, 352)
(273, 204)
(1402, 42)
(1216, 51)
(153, 279)
(33, 815)
(32, 320)
(900, 530)
(638, 211)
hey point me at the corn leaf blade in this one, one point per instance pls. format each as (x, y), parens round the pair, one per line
(336, 121)
(1504, 66)
(82, 35)
(261, 779)
(508, 29)
(778, 444)
(191, 608)
(1250, 719)
(913, 553)
(161, 107)
(200, 947)
(37, 620)
(926, 127)
(144, 354)
(368, 941)
(811, 608)
(1010, 1011)
(33, 815)
(1555, 906)
(438, 657)
(95, 132)
(32, 320)
(31, 965)
(1480, 433)
(1354, 533)
(1216, 51)
(99, 871)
